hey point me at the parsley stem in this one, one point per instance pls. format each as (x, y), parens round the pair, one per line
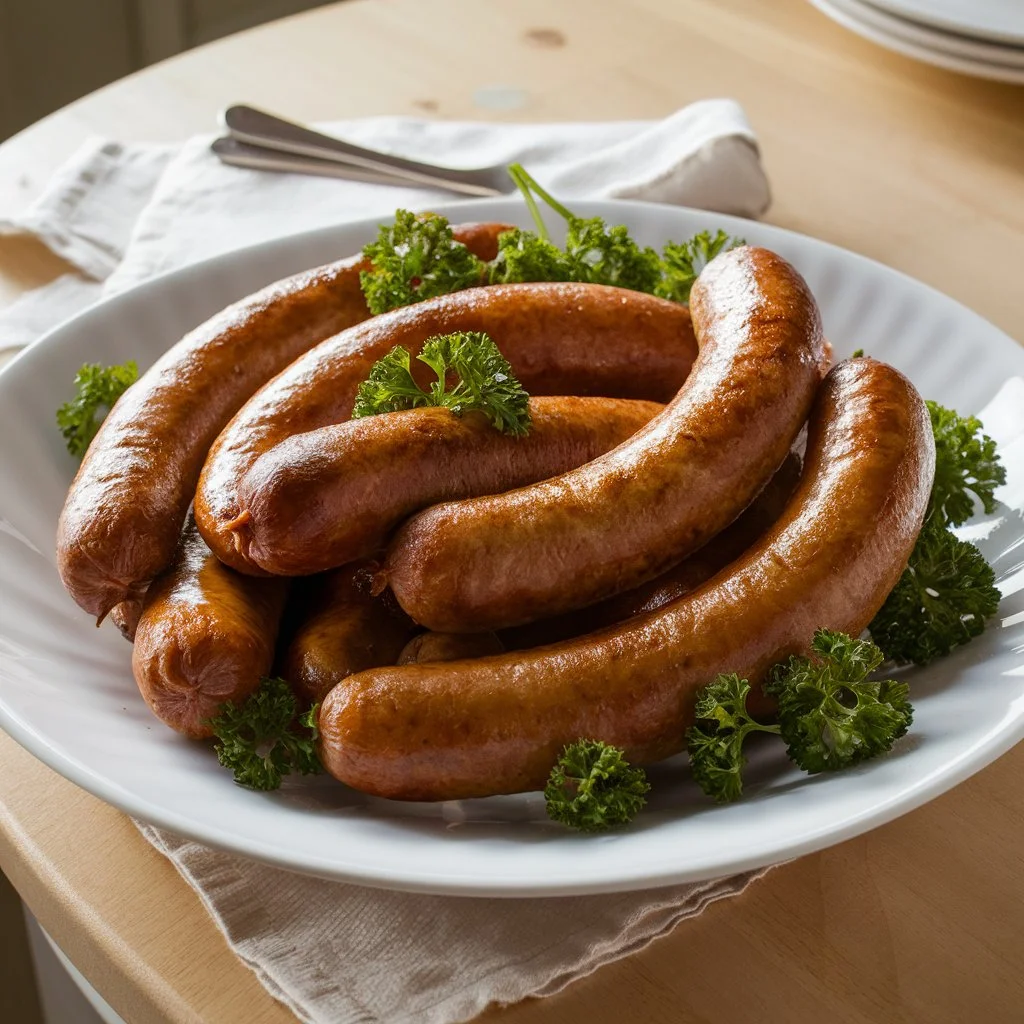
(531, 183)
(522, 179)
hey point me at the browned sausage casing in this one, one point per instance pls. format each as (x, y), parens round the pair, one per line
(340, 628)
(206, 636)
(496, 725)
(126, 617)
(125, 509)
(430, 647)
(689, 574)
(626, 517)
(330, 496)
(582, 339)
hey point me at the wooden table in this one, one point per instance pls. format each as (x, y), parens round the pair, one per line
(918, 921)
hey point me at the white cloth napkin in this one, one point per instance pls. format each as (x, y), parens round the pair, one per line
(120, 213)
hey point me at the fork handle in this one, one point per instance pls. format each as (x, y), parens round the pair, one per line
(258, 128)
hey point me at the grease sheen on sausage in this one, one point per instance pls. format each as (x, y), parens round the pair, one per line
(330, 496)
(205, 636)
(689, 574)
(582, 339)
(624, 518)
(125, 509)
(339, 628)
(496, 725)
(432, 647)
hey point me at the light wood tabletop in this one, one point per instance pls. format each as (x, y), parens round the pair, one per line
(921, 920)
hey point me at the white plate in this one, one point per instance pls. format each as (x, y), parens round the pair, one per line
(1002, 20)
(998, 63)
(66, 690)
(985, 51)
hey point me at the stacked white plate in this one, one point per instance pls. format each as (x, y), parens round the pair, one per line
(977, 37)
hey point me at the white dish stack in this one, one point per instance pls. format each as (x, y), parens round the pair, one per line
(984, 38)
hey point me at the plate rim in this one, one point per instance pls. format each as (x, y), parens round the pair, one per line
(932, 37)
(917, 51)
(926, 16)
(996, 741)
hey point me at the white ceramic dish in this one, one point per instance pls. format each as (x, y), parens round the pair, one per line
(1001, 20)
(985, 51)
(66, 690)
(942, 49)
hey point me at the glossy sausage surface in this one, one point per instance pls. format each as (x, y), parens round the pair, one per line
(330, 496)
(626, 517)
(576, 339)
(205, 636)
(689, 574)
(125, 509)
(337, 628)
(496, 725)
(430, 647)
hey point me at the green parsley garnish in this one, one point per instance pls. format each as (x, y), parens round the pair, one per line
(264, 738)
(682, 262)
(830, 714)
(715, 741)
(414, 259)
(97, 388)
(942, 600)
(485, 382)
(947, 592)
(593, 788)
(595, 253)
(966, 463)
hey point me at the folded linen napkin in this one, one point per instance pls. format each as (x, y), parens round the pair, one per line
(120, 213)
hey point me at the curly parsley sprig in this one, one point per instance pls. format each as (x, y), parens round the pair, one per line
(486, 382)
(593, 253)
(416, 258)
(598, 254)
(947, 592)
(264, 738)
(592, 787)
(831, 714)
(97, 388)
(715, 740)
(943, 599)
(682, 262)
(966, 464)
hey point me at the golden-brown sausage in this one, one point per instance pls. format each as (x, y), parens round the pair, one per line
(330, 496)
(689, 574)
(539, 551)
(205, 637)
(428, 647)
(496, 725)
(582, 339)
(339, 628)
(124, 512)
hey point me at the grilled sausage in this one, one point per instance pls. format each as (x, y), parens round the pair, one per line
(330, 496)
(125, 509)
(126, 617)
(560, 339)
(340, 628)
(429, 647)
(206, 636)
(539, 551)
(689, 574)
(496, 725)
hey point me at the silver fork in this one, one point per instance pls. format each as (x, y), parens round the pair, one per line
(260, 140)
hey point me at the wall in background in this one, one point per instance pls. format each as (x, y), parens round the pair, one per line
(53, 51)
